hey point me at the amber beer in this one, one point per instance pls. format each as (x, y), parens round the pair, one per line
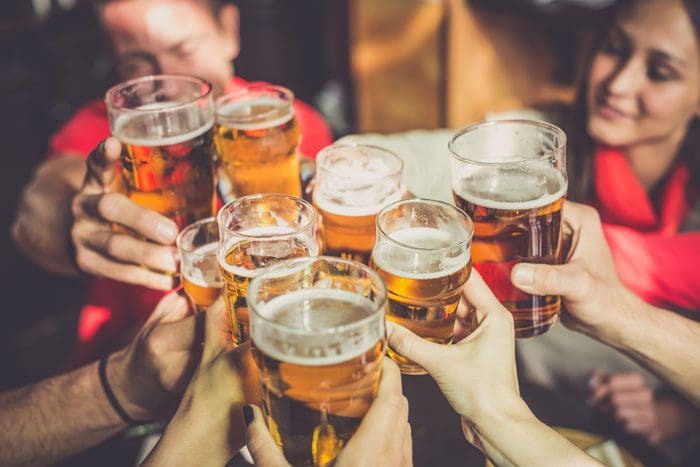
(165, 124)
(353, 183)
(515, 201)
(197, 244)
(255, 232)
(422, 253)
(257, 138)
(318, 345)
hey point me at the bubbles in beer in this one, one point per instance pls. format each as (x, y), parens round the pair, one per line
(310, 312)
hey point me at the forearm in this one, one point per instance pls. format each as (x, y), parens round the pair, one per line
(664, 342)
(55, 418)
(513, 436)
(42, 228)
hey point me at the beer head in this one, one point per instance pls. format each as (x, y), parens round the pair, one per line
(255, 108)
(160, 110)
(422, 239)
(356, 179)
(197, 244)
(316, 311)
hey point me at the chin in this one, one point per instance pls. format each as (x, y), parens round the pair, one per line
(609, 133)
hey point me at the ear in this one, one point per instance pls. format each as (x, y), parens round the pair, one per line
(229, 21)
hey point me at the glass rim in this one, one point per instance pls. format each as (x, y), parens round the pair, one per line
(455, 209)
(237, 94)
(375, 278)
(311, 221)
(323, 155)
(190, 227)
(533, 123)
(143, 79)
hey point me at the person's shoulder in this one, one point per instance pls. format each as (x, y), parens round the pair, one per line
(82, 132)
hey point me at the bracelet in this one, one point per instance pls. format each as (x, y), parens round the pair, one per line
(102, 369)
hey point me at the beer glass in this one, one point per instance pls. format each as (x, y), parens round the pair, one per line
(165, 124)
(200, 277)
(510, 177)
(257, 231)
(422, 253)
(353, 183)
(257, 138)
(318, 333)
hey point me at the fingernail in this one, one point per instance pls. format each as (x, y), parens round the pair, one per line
(248, 415)
(523, 274)
(166, 230)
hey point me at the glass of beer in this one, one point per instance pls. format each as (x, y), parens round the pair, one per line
(198, 244)
(510, 177)
(422, 253)
(257, 138)
(165, 124)
(318, 333)
(255, 232)
(353, 183)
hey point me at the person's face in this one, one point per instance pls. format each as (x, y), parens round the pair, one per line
(644, 82)
(172, 36)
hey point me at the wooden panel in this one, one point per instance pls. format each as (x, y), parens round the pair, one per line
(396, 64)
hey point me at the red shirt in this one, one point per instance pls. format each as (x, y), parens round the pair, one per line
(113, 307)
(653, 259)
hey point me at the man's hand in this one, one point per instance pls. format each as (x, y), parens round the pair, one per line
(588, 282)
(150, 374)
(118, 255)
(384, 435)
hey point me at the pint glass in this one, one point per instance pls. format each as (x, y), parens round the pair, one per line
(165, 124)
(318, 333)
(353, 183)
(199, 274)
(422, 253)
(510, 177)
(255, 232)
(257, 138)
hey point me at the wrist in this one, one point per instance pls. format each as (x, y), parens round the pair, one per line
(622, 306)
(122, 385)
(498, 405)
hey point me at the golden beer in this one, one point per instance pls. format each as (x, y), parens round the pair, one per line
(165, 124)
(255, 232)
(198, 244)
(201, 281)
(318, 348)
(353, 183)
(257, 138)
(244, 260)
(422, 254)
(516, 208)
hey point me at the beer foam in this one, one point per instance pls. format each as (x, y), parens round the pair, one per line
(269, 244)
(231, 113)
(351, 205)
(420, 265)
(512, 190)
(202, 271)
(131, 123)
(310, 314)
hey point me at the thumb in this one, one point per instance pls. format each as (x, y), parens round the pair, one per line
(101, 165)
(217, 336)
(263, 449)
(402, 341)
(567, 280)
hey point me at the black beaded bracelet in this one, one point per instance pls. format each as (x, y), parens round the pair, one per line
(102, 368)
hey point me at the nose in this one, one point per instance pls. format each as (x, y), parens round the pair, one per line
(628, 77)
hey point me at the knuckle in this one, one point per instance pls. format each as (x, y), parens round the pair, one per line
(83, 260)
(113, 245)
(107, 205)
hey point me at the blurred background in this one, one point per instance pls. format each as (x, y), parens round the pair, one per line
(367, 65)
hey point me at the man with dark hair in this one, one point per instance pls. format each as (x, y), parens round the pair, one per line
(62, 233)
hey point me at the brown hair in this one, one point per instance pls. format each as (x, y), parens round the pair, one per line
(581, 145)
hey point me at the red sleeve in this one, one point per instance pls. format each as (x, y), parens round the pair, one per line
(82, 132)
(315, 134)
(663, 270)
